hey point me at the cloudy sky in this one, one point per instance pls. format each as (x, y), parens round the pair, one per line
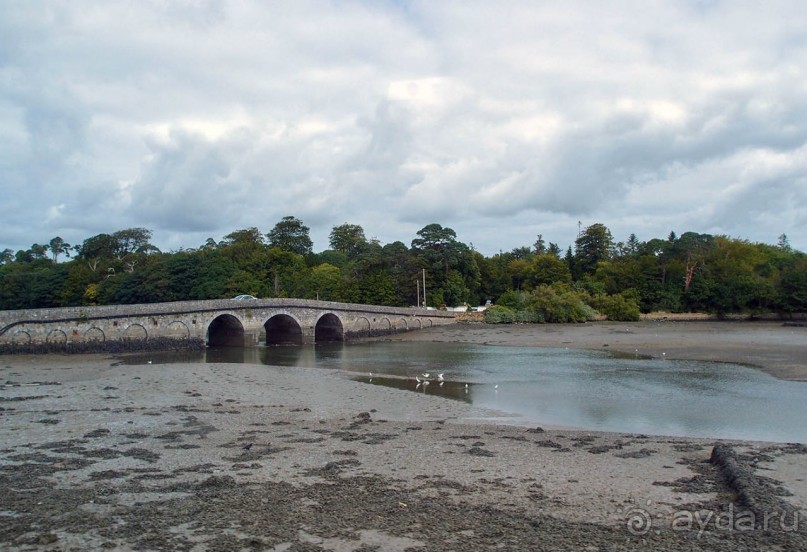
(501, 120)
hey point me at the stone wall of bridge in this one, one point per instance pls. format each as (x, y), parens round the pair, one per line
(224, 322)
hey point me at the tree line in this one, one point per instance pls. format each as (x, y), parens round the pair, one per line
(540, 282)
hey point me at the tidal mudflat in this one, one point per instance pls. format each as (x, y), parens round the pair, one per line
(99, 454)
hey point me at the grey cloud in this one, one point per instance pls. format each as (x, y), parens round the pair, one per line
(223, 115)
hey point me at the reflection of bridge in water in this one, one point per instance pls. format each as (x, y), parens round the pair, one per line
(222, 322)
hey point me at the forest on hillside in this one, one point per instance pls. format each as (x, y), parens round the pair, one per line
(538, 282)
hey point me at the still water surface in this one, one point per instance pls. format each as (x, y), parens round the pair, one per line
(570, 388)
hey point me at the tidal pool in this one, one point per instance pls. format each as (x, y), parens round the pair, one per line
(567, 387)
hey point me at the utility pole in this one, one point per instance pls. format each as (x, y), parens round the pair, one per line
(417, 282)
(424, 288)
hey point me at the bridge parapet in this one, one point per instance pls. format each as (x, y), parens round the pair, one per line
(195, 323)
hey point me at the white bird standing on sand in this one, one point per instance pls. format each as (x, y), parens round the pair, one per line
(426, 376)
(417, 379)
(439, 377)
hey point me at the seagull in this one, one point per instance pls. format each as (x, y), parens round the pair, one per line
(418, 379)
(440, 377)
(496, 386)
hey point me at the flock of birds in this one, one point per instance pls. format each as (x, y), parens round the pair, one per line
(426, 380)
(423, 380)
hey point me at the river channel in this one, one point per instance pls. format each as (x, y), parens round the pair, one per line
(591, 390)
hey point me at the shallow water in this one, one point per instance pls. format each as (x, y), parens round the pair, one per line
(567, 387)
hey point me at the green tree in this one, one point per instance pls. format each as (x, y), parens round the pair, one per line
(347, 238)
(548, 269)
(377, 289)
(519, 271)
(540, 245)
(493, 276)
(324, 283)
(132, 240)
(792, 285)
(286, 271)
(290, 234)
(593, 245)
(403, 271)
(58, 247)
(244, 282)
(97, 249)
(439, 251)
(246, 248)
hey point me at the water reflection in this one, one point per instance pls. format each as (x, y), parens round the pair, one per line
(587, 389)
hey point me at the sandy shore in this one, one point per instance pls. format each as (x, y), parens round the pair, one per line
(96, 454)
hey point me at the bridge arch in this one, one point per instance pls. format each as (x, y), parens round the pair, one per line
(328, 329)
(402, 325)
(283, 329)
(177, 330)
(361, 327)
(21, 337)
(225, 330)
(56, 337)
(95, 334)
(135, 332)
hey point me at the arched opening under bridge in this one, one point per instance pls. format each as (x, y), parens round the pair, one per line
(329, 329)
(225, 331)
(282, 329)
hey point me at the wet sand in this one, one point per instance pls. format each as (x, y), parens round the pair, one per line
(95, 454)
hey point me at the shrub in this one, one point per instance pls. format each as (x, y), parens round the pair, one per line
(498, 314)
(559, 304)
(617, 307)
(514, 300)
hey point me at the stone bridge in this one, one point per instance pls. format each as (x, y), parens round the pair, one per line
(221, 322)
